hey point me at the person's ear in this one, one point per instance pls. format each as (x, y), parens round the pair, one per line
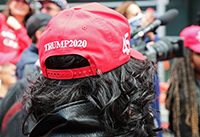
(38, 33)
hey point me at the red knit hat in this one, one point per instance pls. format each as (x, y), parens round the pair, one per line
(93, 31)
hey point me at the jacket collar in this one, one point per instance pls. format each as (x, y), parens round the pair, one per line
(83, 117)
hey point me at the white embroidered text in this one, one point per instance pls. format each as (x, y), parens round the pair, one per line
(65, 44)
(126, 44)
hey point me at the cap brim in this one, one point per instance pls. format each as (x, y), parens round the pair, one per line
(7, 57)
(195, 47)
(136, 54)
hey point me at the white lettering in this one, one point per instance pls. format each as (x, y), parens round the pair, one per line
(8, 34)
(84, 44)
(198, 36)
(75, 43)
(57, 44)
(10, 43)
(50, 45)
(65, 43)
(126, 44)
(71, 43)
(45, 46)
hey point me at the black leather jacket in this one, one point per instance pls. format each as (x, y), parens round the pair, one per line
(74, 121)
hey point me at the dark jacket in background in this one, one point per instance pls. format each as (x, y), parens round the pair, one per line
(28, 57)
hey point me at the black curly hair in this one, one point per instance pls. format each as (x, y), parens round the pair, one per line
(123, 95)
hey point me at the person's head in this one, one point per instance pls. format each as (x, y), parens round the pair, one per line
(129, 9)
(19, 9)
(52, 7)
(36, 24)
(85, 54)
(191, 37)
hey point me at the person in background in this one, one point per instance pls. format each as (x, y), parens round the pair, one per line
(130, 10)
(13, 34)
(92, 83)
(136, 18)
(183, 95)
(11, 115)
(35, 26)
(52, 7)
(13, 40)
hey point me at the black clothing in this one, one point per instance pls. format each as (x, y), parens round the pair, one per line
(28, 57)
(14, 125)
(74, 121)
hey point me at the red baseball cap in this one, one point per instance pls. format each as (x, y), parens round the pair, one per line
(93, 31)
(191, 37)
